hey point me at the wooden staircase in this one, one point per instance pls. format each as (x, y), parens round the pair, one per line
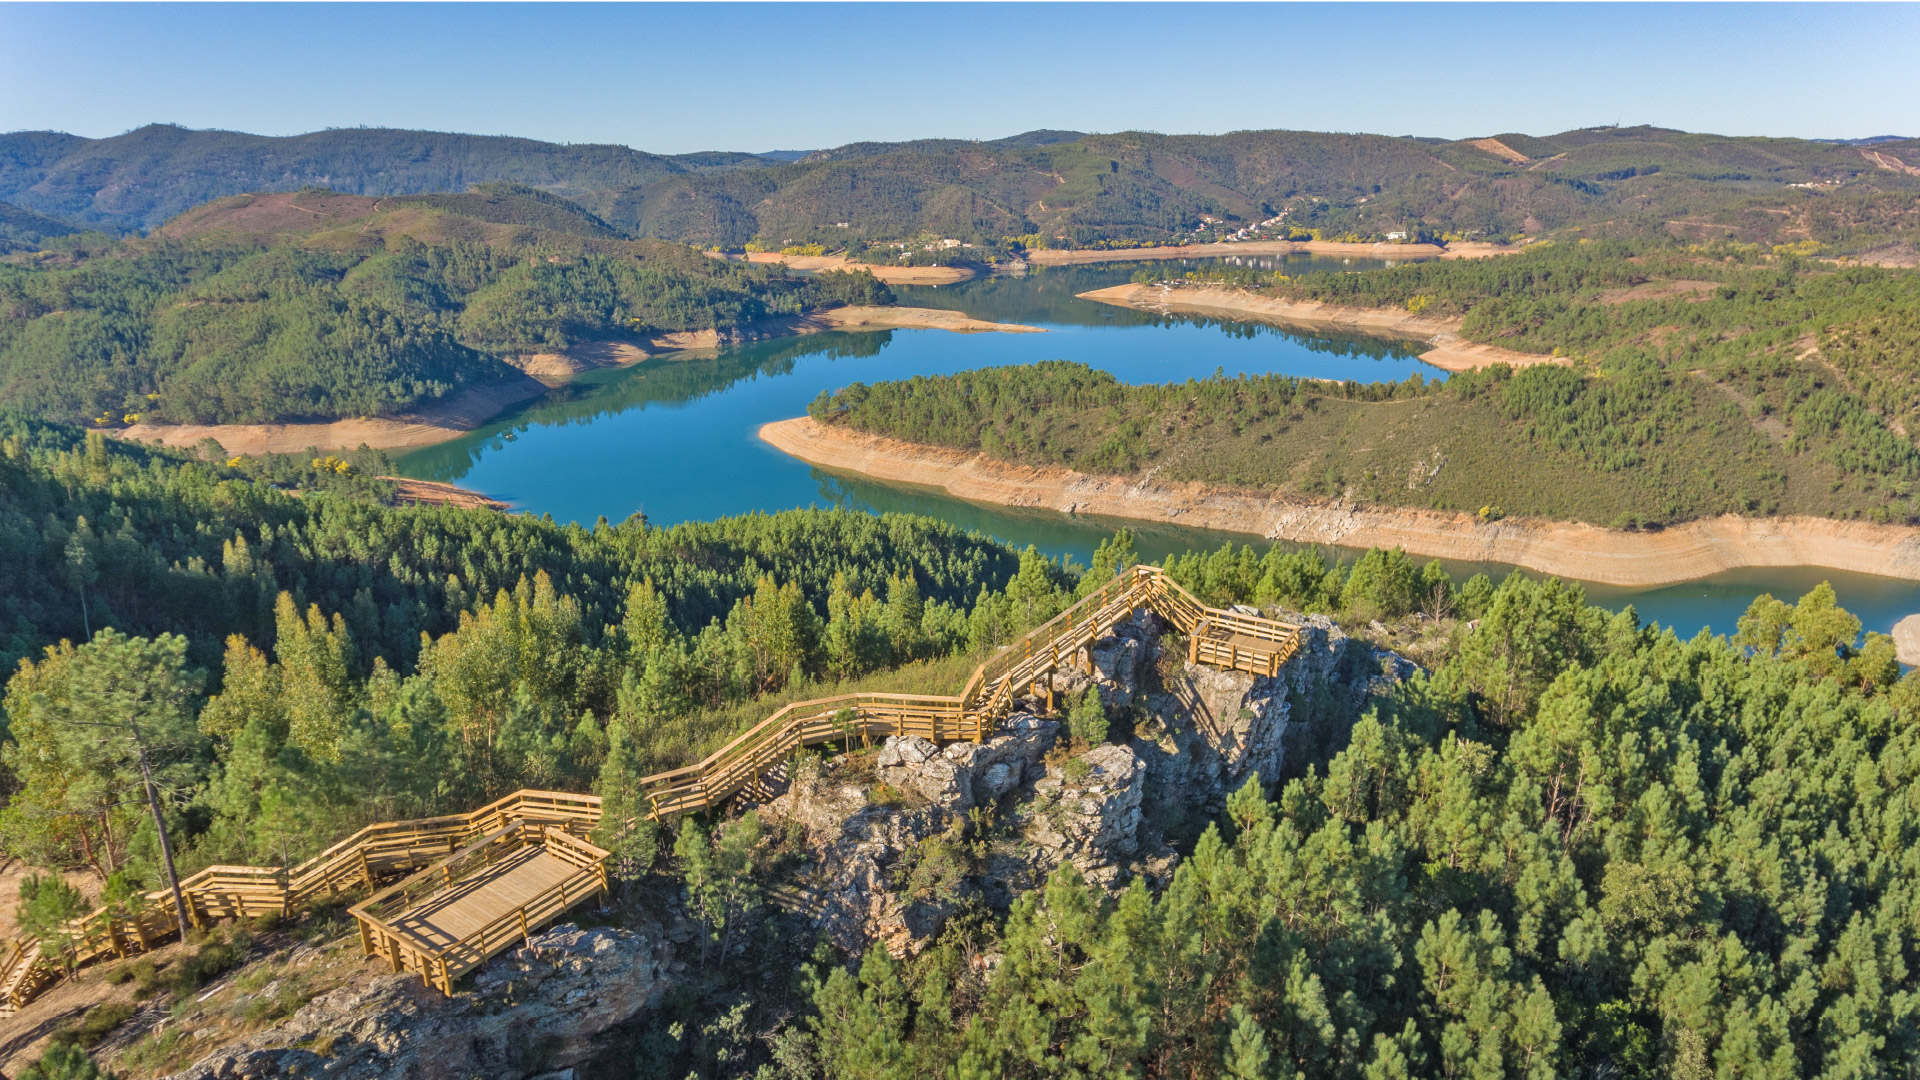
(751, 766)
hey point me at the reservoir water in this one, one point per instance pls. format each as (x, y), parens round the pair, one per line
(675, 437)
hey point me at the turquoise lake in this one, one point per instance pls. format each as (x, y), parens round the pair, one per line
(675, 437)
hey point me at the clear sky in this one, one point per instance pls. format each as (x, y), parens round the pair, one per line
(673, 78)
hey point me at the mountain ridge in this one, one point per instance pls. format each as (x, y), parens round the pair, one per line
(1060, 187)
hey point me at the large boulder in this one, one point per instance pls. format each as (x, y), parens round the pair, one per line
(967, 774)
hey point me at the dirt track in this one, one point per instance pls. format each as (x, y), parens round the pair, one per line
(1449, 352)
(1584, 552)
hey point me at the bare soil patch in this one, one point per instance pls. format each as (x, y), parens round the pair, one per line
(892, 275)
(271, 214)
(434, 493)
(1660, 290)
(436, 423)
(555, 368)
(1500, 150)
(1050, 257)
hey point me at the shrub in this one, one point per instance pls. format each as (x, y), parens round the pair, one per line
(64, 1063)
(1087, 722)
(93, 1026)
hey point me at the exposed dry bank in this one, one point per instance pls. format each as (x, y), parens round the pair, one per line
(892, 275)
(1586, 552)
(1450, 352)
(472, 408)
(1049, 257)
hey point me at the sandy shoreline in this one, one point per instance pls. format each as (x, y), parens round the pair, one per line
(1449, 351)
(1584, 552)
(472, 408)
(1051, 257)
(435, 493)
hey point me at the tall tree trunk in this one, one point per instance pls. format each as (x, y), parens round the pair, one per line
(160, 825)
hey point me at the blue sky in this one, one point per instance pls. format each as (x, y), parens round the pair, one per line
(675, 78)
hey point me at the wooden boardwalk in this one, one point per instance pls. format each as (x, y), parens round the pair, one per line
(479, 882)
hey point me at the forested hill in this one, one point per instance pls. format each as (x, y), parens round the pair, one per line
(152, 173)
(1050, 187)
(1576, 847)
(314, 306)
(26, 229)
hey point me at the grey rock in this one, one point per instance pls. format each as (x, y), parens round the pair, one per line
(1087, 811)
(855, 843)
(567, 985)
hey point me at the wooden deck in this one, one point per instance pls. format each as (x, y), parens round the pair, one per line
(452, 916)
(478, 902)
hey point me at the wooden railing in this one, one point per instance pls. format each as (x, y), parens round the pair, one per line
(1221, 637)
(373, 854)
(986, 700)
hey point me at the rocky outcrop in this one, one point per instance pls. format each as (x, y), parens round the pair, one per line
(857, 835)
(532, 1011)
(1205, 732)
(1086, 811)
(853, 841)
(1114, 811)
(966, 774)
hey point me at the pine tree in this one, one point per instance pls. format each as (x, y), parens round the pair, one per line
(1247, 1052)
(1087, 720)
(861, 1021)
(625, 827)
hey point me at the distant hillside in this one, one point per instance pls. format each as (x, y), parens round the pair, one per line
(1137, 186)
(153, 173)
(25, 229)
(1058, 187)
(505, 214)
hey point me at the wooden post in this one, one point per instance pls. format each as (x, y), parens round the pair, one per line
(366, 940)
(524, 934)
(366, 869)
(446, 872)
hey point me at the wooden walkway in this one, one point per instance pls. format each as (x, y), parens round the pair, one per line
(477, 883)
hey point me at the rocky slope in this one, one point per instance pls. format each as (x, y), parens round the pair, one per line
(533, 1011)
(996, 818)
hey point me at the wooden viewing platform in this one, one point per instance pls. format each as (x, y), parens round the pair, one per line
(457, 913)
(478, 882)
